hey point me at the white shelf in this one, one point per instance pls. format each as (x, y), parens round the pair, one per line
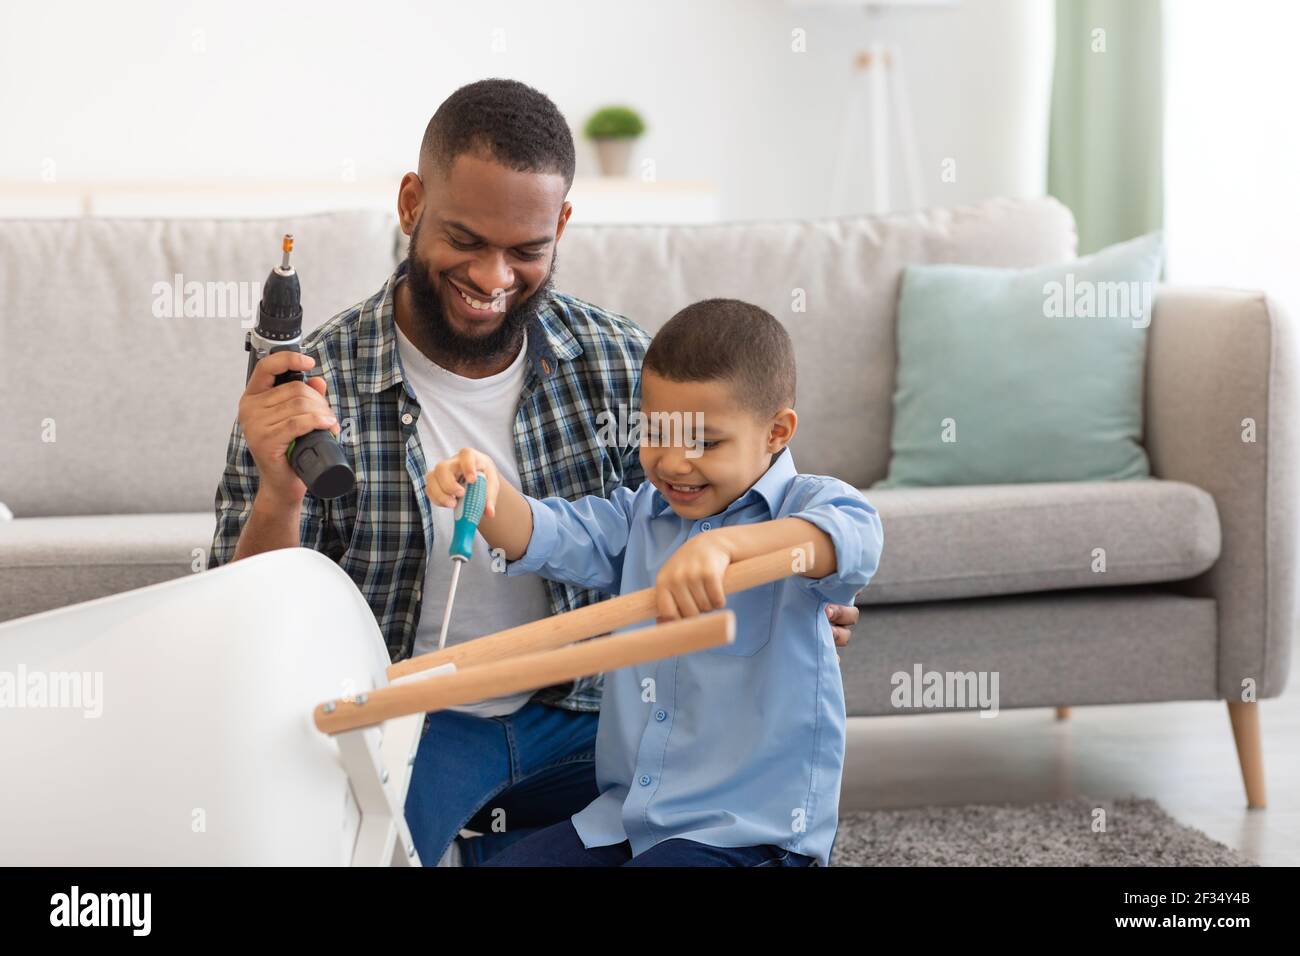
(595, 200)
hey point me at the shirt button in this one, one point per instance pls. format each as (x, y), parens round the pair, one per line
(661, 715)
(645, 780)
(407, 419)
(706, 526)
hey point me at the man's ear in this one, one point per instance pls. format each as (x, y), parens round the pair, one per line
(781, 429)
(410, 199)
(565, 212)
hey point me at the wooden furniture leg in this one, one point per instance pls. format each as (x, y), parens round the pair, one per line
(1245, 731)
(553, 650)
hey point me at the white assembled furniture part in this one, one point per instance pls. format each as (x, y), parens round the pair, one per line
(250, 715)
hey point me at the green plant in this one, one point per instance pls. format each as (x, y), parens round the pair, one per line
(615, 122)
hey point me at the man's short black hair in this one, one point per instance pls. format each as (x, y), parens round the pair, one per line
(503, 120)
(728, 340)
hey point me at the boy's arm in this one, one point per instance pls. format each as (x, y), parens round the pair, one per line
(690, 582)
(844, 530)
(507, 521)
(856, 534)
(751, 540)
(582, 543)
(510, 526)
(576, 542)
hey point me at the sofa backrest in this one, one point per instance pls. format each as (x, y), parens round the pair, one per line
(140, 404)
(832, 283)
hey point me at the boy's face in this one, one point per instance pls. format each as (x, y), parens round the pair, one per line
(702, 472)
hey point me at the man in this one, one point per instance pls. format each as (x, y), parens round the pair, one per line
(466, 345)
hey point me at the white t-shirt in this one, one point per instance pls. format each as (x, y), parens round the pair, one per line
(456, 413)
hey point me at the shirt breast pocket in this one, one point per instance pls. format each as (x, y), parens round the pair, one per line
(754, 611)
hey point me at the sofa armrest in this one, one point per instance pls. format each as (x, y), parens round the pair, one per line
(1218, 360)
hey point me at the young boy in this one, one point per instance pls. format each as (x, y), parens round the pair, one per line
(733, 755)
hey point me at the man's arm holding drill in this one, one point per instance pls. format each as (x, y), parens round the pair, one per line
(269, 418)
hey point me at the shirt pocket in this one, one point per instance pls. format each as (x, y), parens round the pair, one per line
(754, 610)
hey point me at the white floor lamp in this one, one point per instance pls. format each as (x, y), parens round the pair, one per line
(878, 91)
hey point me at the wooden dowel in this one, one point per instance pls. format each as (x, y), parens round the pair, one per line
(528, 672)
(601, 618)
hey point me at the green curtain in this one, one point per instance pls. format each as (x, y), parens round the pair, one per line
(1105, 150)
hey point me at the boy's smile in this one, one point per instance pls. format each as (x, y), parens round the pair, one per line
(699, 472)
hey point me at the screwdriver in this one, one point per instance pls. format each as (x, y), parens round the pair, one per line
(469, 511)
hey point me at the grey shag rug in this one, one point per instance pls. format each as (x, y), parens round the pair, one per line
(1138, 833)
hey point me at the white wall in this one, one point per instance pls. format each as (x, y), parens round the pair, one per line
(1232, 147)
(190, 90)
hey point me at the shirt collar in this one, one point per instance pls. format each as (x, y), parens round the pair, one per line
(549, 339)
(379, 367)
(770, 488)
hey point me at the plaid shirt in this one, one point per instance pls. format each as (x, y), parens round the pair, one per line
(583, 364)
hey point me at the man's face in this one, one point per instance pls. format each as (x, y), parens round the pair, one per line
(481, 254)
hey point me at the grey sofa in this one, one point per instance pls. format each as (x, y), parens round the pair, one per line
(116, 421)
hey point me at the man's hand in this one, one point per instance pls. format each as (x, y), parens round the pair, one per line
(843, 619)
(274, 415)
(690, 582)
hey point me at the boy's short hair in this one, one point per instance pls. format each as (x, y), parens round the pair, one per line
(728, 340)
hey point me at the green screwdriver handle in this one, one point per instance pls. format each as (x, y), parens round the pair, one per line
(469, 511)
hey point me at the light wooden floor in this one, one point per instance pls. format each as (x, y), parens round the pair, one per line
(1179, 754)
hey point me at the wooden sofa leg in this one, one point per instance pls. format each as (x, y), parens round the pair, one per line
(1063, 713)
(1245, 731)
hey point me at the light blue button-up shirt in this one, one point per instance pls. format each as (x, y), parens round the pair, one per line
(738, 745)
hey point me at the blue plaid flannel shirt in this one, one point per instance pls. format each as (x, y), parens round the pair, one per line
(582, 362)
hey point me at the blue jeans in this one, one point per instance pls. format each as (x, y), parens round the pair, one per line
(560, 845)
(504, 777)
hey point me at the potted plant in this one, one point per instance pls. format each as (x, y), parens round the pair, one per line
(613, 129)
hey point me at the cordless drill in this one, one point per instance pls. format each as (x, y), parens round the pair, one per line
(316, 457)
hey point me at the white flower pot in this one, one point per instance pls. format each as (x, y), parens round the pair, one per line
(614, 155)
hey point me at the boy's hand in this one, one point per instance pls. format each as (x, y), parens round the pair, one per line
(443, 482)
(690, 582)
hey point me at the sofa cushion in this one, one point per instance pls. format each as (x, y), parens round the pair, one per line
(52, 562)
(1001, 381)
(981, 540)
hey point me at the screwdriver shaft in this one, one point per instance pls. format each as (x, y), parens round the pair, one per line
(451, 597)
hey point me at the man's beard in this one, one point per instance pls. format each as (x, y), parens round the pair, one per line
(431, 323)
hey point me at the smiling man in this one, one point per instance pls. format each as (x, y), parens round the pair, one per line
(466, 345)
